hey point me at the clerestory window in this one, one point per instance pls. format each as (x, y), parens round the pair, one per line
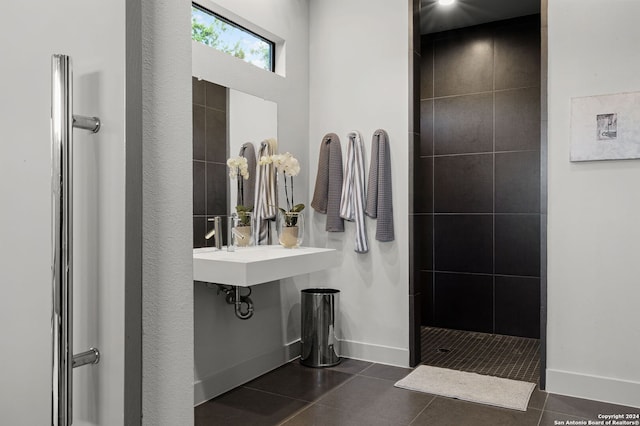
(222, 34)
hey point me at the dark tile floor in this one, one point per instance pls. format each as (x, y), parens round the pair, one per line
(511, 357)
(358, 393)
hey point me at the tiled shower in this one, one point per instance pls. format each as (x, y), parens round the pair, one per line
(477, 179)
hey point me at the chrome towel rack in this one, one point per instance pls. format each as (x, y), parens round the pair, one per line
(62, 123)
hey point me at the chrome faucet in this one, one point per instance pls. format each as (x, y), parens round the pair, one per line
(216, 232)
(232, 233)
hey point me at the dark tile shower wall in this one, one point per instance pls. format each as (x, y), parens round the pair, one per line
(477, 179)
(209, 158)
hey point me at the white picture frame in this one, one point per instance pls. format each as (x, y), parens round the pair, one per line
(605, 127)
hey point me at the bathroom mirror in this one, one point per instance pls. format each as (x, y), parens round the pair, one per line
(250, 119)
(223, 120)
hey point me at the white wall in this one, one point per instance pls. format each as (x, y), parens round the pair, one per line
(167, 211)
(230, 351)
(359, 80)
(593, 229)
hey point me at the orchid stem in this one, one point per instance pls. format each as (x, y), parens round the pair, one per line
(286, 193)
(241, 189)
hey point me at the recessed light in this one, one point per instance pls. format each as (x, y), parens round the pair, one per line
(446, 2)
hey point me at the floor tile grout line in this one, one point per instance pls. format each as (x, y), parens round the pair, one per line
(484, 360)
(337, 368)
(495, 364)
(316, 401)
(380, 378)
(522, 357)
(275, 394)
(469, 349)
(544, 406)
(529, 357)
(465, 348)
(423, 410)
(497, 348)
(368, 367)
(300, 411)
(507, 348)
(330, 391)
(516, 346)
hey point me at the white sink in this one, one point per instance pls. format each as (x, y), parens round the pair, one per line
(259, 264)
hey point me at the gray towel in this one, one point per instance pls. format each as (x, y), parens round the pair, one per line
(248, 151)
(352, 203)
(328, 190)
(379, 199)
(266, 196)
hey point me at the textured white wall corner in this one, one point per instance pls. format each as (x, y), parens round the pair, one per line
(359, 80)
(222, 341)
(167, 211)
(593, 232)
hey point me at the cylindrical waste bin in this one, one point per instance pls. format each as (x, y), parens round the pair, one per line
(319, 323)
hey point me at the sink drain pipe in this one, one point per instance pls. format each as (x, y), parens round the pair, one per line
(243, 304)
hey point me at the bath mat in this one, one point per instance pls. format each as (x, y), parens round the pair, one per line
(473, 387)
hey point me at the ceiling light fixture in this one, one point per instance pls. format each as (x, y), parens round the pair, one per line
(446, 2)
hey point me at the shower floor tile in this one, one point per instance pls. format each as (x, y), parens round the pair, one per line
(510, 357)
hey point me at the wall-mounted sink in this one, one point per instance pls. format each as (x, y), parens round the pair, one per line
(259, 264)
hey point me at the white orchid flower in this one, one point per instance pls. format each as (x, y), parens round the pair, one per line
(238, 164)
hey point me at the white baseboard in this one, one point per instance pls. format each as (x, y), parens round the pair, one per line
(223, 381)
(374, 353)
(605, 389)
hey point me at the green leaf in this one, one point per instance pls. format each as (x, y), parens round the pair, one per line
(297, 208)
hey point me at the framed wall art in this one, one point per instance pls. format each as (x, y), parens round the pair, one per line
(605, 127)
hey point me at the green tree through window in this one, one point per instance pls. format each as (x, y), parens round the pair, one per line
(212, 31)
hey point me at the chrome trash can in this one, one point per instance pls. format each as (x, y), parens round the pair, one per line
(319, 324)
